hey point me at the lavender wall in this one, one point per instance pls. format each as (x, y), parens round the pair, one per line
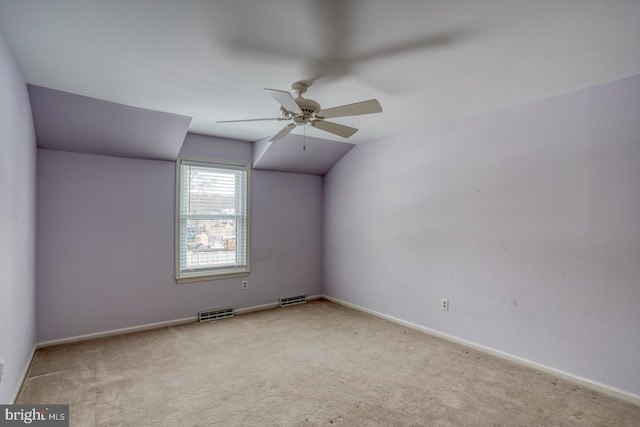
(527, 219)
(106, 241)
(17, 225)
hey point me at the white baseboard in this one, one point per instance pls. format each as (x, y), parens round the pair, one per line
(23, 376)
(270, 306)
(262, 307)
(121, 331)
(157, 325)
(585, 382)
(593, 385)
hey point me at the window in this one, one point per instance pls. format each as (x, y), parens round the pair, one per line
(212, 231)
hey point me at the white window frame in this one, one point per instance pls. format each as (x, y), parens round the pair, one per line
(183, 276)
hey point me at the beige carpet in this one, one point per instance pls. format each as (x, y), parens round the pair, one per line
(312, 364)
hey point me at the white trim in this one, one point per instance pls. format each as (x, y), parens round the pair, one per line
(207, 276)
(585, 382)
(23, 376)
(176, 220)
(269, 306)
(121, 331)
(262, 307)
(210, 275)
(150, 326)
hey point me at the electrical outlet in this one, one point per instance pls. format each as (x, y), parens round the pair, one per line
(245, 285)
(444, 304)
(1, 369)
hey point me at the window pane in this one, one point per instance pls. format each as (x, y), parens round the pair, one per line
(211, 243)
(212, 191)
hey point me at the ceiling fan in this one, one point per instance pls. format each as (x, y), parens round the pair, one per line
(304, 111)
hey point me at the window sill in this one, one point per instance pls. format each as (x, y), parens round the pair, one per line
(205, 277)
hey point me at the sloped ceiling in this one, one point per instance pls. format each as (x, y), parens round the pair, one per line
(425, 61)
(69, 122)
(299, 154)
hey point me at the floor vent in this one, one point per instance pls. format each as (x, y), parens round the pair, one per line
(218, 313)
(300, 299)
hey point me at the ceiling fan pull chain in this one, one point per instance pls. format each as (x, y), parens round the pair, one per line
(304, 138)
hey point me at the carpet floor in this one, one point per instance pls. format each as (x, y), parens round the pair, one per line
(312, 364)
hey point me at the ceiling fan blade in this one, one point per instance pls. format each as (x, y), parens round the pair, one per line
(334, 128)
(284, 132)
(364, 107)
(285, 99)
(250, 120)
(431, 41)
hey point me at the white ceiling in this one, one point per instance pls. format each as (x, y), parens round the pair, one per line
(425, 61)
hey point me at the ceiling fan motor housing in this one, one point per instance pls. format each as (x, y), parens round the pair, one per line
(309, 109)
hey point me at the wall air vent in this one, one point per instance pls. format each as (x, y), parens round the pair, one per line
(215, 314)
(300, 299)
